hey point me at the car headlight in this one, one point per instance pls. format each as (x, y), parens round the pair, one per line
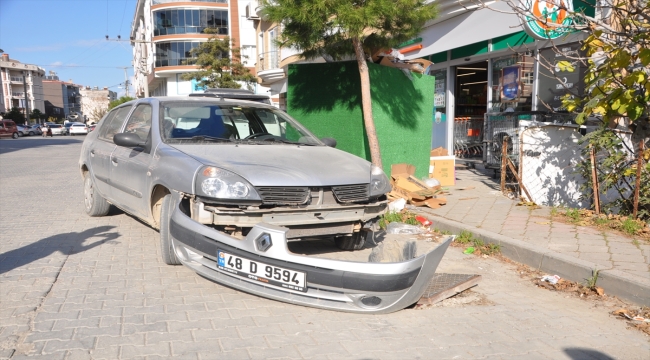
(379, 184)
(223, 184)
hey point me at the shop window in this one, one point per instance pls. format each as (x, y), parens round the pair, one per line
(512, 83)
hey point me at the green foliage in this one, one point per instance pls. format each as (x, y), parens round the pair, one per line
(119, 101)
(465, 237)
(319, 27)
(630, 226)
(616, 171)
(573, 215)
(217, 68)
(618, 80)
(591, 282)
(16, 115)
(406, 217)
(37, 115)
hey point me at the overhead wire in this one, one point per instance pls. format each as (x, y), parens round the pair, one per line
(122, 22)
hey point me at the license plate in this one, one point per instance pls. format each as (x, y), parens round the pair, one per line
(259, 271)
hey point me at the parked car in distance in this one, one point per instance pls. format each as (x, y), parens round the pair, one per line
(8, 128)
(92, 127)
(77, 129)
(34, 130)
(22, 130)
(230, 184)
(57, 129)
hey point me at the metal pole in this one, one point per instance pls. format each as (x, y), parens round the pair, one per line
(504, 168)
(637, 187)
(126, 82)
(26, 97)
(594, 180)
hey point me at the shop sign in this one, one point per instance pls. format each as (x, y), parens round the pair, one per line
(566, 77)
(501, 63)
(440, 90)
(547, 19)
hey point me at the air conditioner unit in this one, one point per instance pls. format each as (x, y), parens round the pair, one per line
(250, 11)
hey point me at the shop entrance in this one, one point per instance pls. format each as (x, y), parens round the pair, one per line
(471, 104)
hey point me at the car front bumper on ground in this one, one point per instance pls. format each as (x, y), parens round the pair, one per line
(361, 287)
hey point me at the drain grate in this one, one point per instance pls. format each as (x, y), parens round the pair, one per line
(443, 286)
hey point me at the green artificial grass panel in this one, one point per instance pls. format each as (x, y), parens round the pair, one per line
(326, 98)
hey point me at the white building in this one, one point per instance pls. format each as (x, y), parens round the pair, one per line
(163, 33)
(14, 78)
(94, 102)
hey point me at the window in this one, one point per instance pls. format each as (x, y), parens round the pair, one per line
(175, 53)
(189, 21)
(113, 122)
(140, 122)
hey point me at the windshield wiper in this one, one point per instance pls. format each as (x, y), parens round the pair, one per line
(205, 138)
(276, 140)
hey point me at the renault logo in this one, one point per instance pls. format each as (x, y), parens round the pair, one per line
(263, 242)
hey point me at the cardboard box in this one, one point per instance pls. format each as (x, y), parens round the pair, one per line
(442, 168)
(404, 170)
(440, 151)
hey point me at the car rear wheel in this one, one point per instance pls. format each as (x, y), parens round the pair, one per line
(31, 133)
(94, 203)
(15, 135)
(351, 242)
(166, 246)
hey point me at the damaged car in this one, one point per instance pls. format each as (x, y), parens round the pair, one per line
(230, 184)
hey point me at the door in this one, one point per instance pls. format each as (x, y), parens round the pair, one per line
(100, 151)
(3, 130)
(130, 176)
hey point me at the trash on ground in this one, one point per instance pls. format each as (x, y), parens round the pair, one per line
(422, 220)
(401, 228)
(552, 279)
(416, 192)
(638, 318)
(469, 198)
(442, 167)
(397, 205)
(469, 250)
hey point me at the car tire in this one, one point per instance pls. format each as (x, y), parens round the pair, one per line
(166, 246)
(14, 136)
(31, 133)
(94, 204)
(356, 241)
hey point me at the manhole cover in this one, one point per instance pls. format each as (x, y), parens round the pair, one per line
(443, 286)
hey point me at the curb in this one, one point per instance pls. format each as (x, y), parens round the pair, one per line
(615, 282)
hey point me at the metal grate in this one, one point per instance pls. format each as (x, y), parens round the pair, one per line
(443, 286)
(351, 193)
(283, 195)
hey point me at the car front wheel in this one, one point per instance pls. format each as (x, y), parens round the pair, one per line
(94, 203)
(166, 246)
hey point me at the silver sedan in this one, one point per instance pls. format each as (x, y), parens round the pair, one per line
(230, 184)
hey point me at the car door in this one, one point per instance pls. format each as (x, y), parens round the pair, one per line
(100, 150)
(130, 176)
(3, 129)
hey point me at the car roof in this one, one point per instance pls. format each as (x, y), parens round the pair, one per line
(207, 99)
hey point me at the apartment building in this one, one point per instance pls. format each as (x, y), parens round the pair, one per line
(94, 102)
(21, 85)
(164, 32)
(62, 99)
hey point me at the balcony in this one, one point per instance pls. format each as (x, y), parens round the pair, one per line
(16, 79)
(268, 67)
(156, 2)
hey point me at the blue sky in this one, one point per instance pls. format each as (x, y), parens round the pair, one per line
(68, 37)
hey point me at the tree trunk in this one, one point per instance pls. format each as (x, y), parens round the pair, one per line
(366, 103)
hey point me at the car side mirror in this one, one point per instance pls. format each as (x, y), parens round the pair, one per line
(130, 140)
(331, 142)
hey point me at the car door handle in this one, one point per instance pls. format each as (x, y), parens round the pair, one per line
(92, 153)
(114, 160)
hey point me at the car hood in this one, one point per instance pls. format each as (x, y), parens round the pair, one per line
(283, 165)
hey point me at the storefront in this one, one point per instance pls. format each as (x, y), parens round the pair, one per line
(484, 62)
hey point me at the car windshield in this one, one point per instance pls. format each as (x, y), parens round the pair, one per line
(219, 124)
(55, 126)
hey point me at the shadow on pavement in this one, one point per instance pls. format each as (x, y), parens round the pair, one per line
(586, 354)
(68, 244)
(30, 142)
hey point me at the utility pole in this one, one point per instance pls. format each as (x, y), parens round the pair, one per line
(26, 96)
(126, 81)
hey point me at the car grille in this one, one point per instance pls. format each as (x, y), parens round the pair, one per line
(283, 195)
(351, 193)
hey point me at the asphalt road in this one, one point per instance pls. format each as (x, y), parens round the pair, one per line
(76, 287)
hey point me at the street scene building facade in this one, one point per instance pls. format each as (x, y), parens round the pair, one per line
(94, 102)
(22, 85)
(62, 99)
(165, 31)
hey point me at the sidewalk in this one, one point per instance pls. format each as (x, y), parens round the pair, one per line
(531, 237)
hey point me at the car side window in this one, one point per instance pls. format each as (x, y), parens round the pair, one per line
(113, 123)
(140, 121)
